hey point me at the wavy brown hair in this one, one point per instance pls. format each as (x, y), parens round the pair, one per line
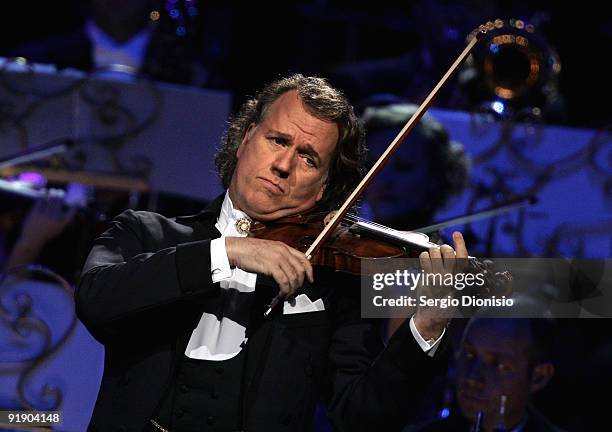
(322, 101)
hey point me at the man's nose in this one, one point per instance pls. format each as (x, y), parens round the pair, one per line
(283, 162)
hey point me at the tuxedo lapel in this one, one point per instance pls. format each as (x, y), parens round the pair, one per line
(203, 223)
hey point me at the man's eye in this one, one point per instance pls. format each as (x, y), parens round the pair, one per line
(309, 161)
(279, 141)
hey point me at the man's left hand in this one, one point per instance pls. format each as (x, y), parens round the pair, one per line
(442, 260)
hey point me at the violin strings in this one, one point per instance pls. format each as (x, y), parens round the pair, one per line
(474, 263)
(354, 218)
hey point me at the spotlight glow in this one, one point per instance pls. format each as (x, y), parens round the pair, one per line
(498, 107)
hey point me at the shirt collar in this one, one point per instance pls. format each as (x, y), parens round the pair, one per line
(226, 223)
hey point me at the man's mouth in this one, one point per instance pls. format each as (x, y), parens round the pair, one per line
(272, 186)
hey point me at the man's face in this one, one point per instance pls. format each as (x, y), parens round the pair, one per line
(283, 161)
(493, 361)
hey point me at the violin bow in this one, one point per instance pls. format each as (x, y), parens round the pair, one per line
(412, 122)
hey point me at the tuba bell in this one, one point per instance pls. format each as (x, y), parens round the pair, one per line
(512, 64)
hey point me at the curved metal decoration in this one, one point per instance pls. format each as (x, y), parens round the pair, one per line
(22, 322)
(26, 94)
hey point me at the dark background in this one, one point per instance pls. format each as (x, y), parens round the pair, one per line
(245, 46)
(248, 45)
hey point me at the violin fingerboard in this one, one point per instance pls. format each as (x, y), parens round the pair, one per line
(397, 238)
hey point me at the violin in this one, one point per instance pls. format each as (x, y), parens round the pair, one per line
(352, 241)
(355, 240)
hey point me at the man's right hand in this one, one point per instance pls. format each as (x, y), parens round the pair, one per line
(288, 266)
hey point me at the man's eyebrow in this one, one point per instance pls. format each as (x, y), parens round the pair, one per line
(281, 134)
(307, 147)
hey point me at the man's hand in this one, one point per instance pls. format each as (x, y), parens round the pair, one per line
(46, 220)
(286, 265)
(441, 260)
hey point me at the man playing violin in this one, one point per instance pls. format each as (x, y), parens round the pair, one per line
(178, 303)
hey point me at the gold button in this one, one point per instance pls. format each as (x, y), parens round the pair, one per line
(243, 225)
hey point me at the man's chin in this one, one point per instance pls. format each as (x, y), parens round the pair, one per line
(267, 209)
(265, 212)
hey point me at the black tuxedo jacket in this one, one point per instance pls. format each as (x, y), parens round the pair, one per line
(143, 289)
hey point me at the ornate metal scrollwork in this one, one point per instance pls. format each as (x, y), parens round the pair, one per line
(18, 315)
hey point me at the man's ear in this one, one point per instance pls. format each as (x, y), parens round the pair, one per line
(245, 139)
(541, 375)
